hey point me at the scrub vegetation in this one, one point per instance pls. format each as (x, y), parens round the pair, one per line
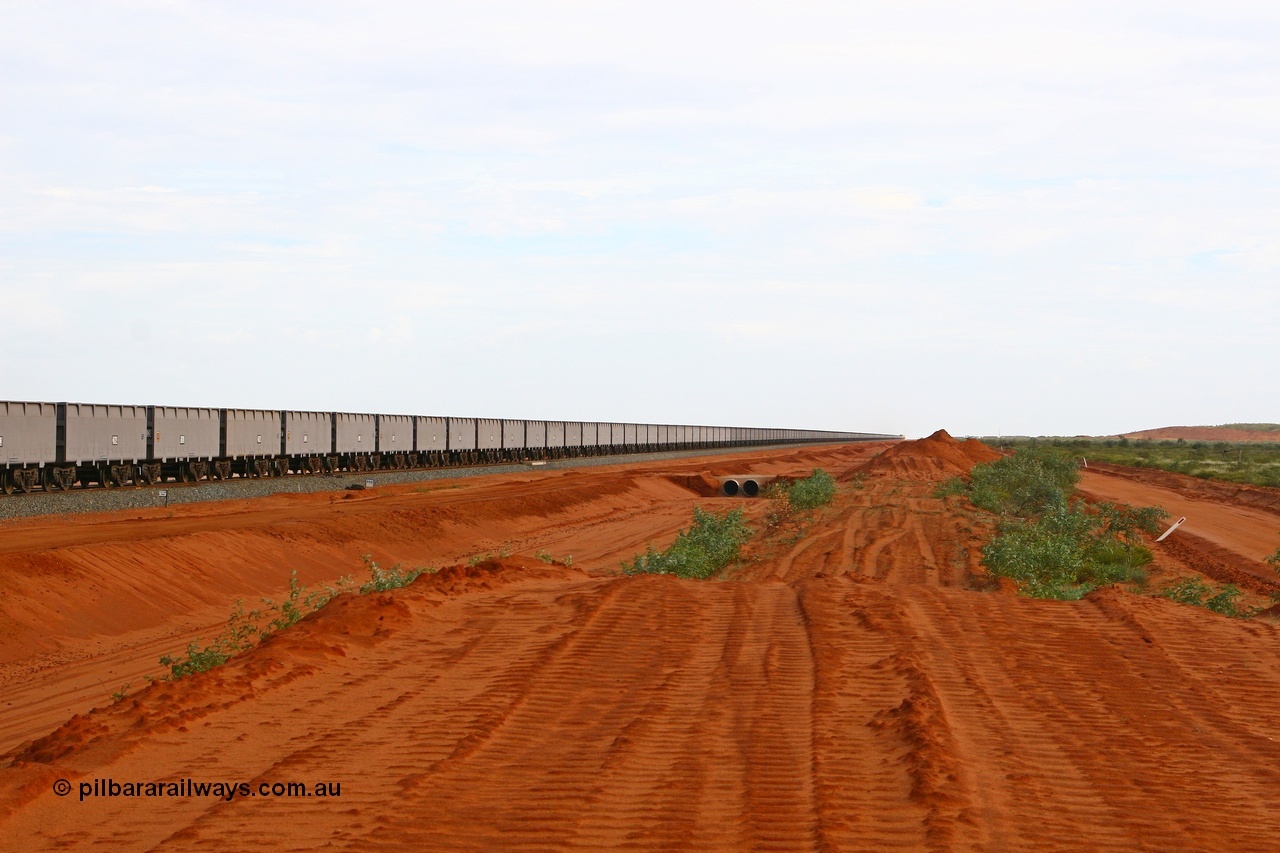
(1252, 463)
(1051, 545)
(1198, 592)
(715, 541)
(818, 489)
(246, 629)
(1274, 561)
(790, 502)
(709, 545)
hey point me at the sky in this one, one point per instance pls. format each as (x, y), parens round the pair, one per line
(1032, 218)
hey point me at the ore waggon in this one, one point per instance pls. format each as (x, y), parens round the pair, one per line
(53, 446)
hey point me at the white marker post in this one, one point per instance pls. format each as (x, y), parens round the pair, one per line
(1172, 528)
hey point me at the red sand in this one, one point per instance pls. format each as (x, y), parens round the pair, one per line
(1204, 434)
(935, 458)
(850, 689)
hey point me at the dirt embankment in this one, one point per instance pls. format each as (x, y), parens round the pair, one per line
(847, 689)
(1211, 491)
(935, 458)
(1229, 530)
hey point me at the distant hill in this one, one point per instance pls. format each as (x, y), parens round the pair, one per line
(1226, 432)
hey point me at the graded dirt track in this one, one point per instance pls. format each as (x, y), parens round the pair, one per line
(861, 686)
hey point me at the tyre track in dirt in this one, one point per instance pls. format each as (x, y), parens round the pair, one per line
(850, 690)
(108, 606)
(891, 531)
(689, 707)
(695, 726)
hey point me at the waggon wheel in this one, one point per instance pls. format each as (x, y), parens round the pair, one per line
(6, 483)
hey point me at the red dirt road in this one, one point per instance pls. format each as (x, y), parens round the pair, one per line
(858, 687)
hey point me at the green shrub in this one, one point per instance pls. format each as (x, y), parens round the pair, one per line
(710, 544)
(1032, 554)
(818, 489)
(1030, 482)
(240, 634)
(381, 580)
(504, 551)
(195, 660)
(1274, 561)
(1199, 593)
(245, 630)
(1224, 601)
(300, 602)
(789, 501)
(1051, 546)
(951, 486)
(1187, 591)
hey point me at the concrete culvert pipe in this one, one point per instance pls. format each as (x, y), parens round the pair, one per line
(751, 488)
(729, 487)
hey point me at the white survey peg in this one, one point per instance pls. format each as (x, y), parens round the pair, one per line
(1172, 528)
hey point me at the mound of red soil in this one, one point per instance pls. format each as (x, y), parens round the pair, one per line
(934, 458)
(335, 631)
(1202, 433)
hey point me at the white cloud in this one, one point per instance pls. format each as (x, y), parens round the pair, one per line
(1029, 185)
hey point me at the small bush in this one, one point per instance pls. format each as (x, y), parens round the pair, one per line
(779, 514)
(1274, 561)
(1224, 601)
(504, 551)
(1030, 482)
(1187, 591)
(788, 502)
(195, 660)
(1199, 593)
(951, 486)
(245, 630)
(818, 489)
(713, 542)
(381, 580)
(300, 602)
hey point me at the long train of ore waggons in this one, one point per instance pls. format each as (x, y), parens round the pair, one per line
(54, 446)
